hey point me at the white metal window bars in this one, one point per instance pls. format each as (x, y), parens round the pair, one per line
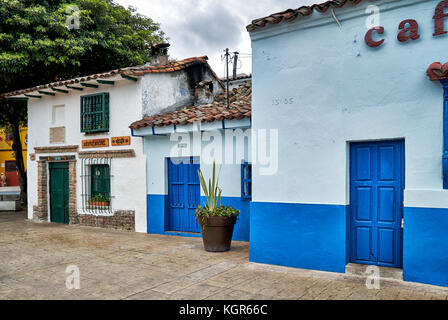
(95, 207)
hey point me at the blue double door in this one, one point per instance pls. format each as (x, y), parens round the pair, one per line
(376, 203)
(184, 194)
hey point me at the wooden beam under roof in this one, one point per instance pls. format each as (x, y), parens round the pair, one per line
(74, 88)
(129, 78)
(106, 82)
(60, 90)
(16, 98)
(33, 96)
(89, 85)
(46, 93)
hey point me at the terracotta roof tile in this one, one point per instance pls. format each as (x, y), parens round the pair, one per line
(130, 71)
(239, 109)
(292, 14)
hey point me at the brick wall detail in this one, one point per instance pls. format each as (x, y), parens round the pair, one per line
(129, 153)
(121, 220)
(41, 211)
(59, 149)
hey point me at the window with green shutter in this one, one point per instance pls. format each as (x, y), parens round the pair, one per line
(100, 179)
(96, 191)
(95, 113)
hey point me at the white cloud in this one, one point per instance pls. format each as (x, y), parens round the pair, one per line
(207, 27)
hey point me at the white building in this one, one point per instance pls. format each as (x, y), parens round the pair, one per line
(178, 143)
(362, 137)
(84, 166)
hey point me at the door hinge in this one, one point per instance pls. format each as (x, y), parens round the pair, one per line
(402, 223)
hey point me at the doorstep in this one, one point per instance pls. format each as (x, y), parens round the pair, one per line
(385, 272)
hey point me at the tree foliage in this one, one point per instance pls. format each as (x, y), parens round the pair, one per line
(37, 45)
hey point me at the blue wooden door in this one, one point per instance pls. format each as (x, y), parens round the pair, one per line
(183, 194)
(376, 202)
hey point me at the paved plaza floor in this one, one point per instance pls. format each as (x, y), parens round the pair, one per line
(35, 258)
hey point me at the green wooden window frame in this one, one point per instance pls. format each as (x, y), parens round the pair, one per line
(96, 192)
(95, 113)
(100, 180)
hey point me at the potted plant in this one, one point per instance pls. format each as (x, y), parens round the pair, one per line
(99, 200)
(216, 220)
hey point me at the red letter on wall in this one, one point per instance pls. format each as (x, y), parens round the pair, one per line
(439, 18)
(369, 39)
(403, 35)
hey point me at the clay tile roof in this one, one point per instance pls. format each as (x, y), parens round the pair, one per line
(240, 108)
(130, 71)
(292, 14)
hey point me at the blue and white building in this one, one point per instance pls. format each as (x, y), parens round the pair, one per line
(362, 135)
(179, 142)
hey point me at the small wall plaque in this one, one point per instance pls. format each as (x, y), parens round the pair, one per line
(95, 143)
(121, 141)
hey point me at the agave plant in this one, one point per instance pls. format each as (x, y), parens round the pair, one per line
(212, 192)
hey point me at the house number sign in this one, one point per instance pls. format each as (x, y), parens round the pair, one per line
(281, 101)
(408, 29)
(95, 143)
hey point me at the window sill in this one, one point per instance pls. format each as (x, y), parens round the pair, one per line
(96, 213)
(96, 133)
(98, 207)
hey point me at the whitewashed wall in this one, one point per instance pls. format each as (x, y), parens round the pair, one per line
(164, 92)
(342, 91)
(128, 184)
(159, 148)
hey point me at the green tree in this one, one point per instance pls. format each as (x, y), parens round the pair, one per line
(41, 43)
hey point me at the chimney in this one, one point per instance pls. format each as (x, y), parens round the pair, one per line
(203, 93)
(159, 54)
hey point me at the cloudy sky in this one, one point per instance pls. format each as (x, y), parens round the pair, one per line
(207, 27)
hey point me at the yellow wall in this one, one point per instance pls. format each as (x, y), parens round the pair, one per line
(6, 152)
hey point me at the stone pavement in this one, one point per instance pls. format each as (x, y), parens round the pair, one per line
(127, 265)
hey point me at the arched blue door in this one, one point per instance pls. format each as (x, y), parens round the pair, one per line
(184, 194)
(376, 202)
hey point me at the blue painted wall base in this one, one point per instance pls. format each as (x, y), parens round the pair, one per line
(425, 245)
(309, 236)
(157, 222)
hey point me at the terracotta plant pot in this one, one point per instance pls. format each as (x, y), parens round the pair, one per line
(217, 232)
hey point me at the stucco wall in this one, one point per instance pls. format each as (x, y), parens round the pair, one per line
(163, 92)
(342, 91)
(159, 148)
(127, 186)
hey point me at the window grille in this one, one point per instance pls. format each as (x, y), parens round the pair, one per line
(95, 113)
(246, 180)
(96, 186)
